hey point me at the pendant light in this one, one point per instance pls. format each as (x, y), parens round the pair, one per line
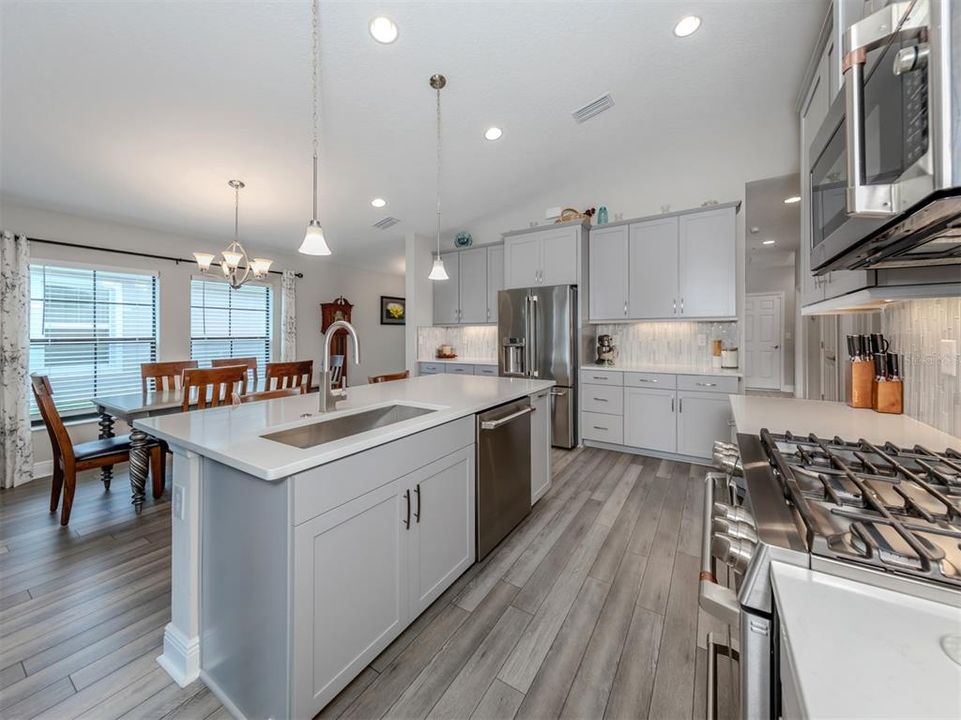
(314, 241)
(235, 264)
(438, 271)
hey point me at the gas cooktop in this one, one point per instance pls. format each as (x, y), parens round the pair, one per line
(892, 508)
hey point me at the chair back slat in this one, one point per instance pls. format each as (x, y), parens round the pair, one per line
(387, 377)
(215, 386)
(249, 362)
(59, 437)
(336, 369)
(165, 375)
(266, 395)
(281, 375)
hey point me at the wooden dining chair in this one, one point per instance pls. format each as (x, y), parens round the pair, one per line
(249, 362)
(387, 377)
(215, 386)
(69, 459)
(336, 370)
(166, 375)
(289, 374)
(238, 399)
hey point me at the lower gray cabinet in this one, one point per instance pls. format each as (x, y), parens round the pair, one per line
(649, 419)
(440, 539)
(350, 593)
(540, 445)
(702, 418)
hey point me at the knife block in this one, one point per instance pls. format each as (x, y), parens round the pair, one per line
(890, 397)
(860, 383)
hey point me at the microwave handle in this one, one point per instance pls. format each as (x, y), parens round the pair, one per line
(863, 200)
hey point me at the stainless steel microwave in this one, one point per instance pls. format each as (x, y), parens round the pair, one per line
(885, 168)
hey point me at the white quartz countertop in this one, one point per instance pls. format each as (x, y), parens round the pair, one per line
(859, 651)
(232, 435)
(668, 369)
(459, 360)
(827, 419)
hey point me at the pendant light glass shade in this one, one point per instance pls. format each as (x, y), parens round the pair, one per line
(314, 241)
(438, 271)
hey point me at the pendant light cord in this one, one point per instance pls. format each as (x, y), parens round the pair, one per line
(315, 33)
(237, 213)
(438, 171)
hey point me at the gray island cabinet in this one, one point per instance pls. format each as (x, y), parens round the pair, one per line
(296, 563)
(328, 566)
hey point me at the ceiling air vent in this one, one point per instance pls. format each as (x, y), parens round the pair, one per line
(386, 222)
(595, 107)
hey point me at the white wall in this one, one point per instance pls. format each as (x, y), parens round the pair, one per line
(420, 292)
(382, 345)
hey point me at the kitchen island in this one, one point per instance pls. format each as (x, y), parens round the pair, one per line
(297, 559)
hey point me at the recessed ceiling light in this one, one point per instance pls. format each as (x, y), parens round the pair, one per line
(687, 26)
(378, 202)
(493, 133)
(767, 242)
(383, 30)
(793, 199)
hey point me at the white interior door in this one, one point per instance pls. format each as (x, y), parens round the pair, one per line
(763, 340)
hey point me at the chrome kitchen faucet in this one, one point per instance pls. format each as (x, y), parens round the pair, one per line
(328, 401)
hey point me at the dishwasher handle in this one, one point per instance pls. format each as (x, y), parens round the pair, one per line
(494, 424)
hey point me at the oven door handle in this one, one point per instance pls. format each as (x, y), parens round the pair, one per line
(714, 598)
(862, 199)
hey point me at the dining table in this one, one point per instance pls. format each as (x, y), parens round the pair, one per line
(133, 406)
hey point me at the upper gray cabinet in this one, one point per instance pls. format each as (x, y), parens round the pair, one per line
(542, 257)
(469, 296)
(673, 267)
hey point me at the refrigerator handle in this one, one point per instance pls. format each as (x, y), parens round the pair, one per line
(532, 344)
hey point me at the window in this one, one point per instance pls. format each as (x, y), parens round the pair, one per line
(89, 331)
(228, 323)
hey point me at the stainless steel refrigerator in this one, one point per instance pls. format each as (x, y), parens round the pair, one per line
(537, 331)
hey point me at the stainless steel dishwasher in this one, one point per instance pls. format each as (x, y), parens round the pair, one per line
(503, 472)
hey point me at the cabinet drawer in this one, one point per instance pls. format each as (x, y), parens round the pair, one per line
(431, 368)
(602, 427)
(602, 377)
(708, 383)
(460, 369)
(485, 370)
(602, 399)
(657, 381)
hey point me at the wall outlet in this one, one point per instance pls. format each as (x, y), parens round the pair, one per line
(179, 496)
(949, 357)
(701, 340)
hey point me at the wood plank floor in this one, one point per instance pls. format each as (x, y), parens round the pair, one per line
(588, 610)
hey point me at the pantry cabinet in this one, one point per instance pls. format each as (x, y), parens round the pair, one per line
(543, 256)
(469, 295)
(683, 265)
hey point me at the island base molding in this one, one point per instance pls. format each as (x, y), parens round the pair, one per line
(181, 656)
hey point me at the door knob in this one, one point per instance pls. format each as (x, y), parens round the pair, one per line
(776, 347)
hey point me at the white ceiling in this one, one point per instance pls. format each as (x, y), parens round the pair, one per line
(767, 217)
(142, 111)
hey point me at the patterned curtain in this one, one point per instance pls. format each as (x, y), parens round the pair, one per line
(16, 446)
(288, 309)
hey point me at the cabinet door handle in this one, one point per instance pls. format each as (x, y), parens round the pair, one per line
(703, 384)
(682, 306)
(625, 308)
(601, 399)
(680, 405)
(646, 380)
(417, 514)
(674, 301)
(407, 519)
(672, 404)
(598, 427)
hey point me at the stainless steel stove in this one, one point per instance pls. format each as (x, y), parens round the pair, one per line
(878, 514)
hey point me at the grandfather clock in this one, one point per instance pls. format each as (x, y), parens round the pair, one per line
(330, 312)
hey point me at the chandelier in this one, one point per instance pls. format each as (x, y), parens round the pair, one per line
(236, 266)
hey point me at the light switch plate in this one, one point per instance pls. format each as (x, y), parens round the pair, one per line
(949, 357)
(178, 509)
(701, 340)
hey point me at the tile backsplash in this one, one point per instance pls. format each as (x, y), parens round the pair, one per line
(477, 342)
(667, 343)
(916, 329)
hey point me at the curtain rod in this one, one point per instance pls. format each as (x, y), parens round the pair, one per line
(131, 252)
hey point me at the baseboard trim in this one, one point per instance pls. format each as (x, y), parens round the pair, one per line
(787, 388)
(181, 657)
(221, 695)
(42, 469)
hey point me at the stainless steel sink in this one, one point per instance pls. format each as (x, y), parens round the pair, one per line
(325, 431)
